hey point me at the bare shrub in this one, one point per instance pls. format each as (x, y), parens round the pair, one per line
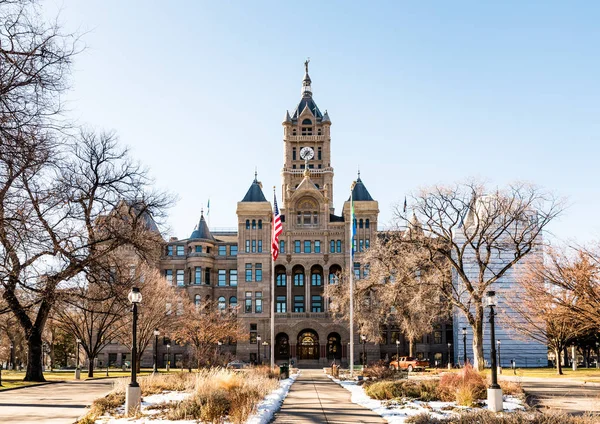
(379, 371)
(385, 390)
(465, 380)
(487, 417)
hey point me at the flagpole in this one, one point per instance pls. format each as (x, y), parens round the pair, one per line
(351, 267)
(273, 295)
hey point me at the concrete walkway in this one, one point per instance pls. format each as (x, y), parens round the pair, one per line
(314, 398)
(60, 403)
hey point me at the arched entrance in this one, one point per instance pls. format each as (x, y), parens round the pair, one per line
(282, 347)
(308, 345)
(334, 346)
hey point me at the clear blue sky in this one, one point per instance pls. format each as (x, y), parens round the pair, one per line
(439, 91)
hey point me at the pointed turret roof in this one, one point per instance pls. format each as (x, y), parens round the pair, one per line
(254, 193)
(288, 118)
(307, 100)
(360, 192)
(326, 117)
(201, 230)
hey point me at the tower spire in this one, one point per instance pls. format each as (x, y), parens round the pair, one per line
(306, 88)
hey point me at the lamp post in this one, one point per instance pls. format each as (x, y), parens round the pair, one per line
(464, 334)
(77, 370)
(219, 344)
(156, 334)
(597, 354)
(449, 356)
(258, 339)
(494, 391)
(12, 356)
(168, 356)
(364, 343)
(133, 394)
(499, 358)
(265, 344)
(397, 355)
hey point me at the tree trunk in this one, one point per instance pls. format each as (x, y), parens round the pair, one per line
(478, 358)
(566, 353)
(411, 347)
(34, 357)
(558, 362)
(90, 367)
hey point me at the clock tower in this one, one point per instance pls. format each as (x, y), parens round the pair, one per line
(307, 147)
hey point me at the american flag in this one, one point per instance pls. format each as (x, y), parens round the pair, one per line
(277, 229)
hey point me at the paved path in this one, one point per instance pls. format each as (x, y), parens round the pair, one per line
(314, 398)
(60, 403)
(571, 396)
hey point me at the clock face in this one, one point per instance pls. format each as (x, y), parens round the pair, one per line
(307, 153)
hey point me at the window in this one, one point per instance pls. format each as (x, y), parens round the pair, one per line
(317, 246)
(316, 280)
(222, 305)
(180, 274)
(296, 246)
(233, 250)
(169, 276)
(299, 279)
(258, 303)
(199, 249)
(338, 245)
(281, 246)
(253, 333)
(253, 246)
(232, 302)
(333, 278)
(280, 304)
(254, 224)
(207, 249)
(207, 276)
(298, 303)
(260, 224)
(169, 250)
(222, 280)
(280, 280)
(437, 337)
(361, 245)
(395, 335)
(332, 246)
(307, 131)
(260, 246)
(317, 304)
(366, 271)
(233, 277)
(307, 219)
(222, 250)
(356, 271)
(258, 272)
(360, 223)
(197, 301)
(307, 246)
(198, 275)
(248, 272)
(367, 243)
(248, 303)
(294, 150)
(354, 244)
(247, 224)
(319, 149)
(367, 223)
(180, 250)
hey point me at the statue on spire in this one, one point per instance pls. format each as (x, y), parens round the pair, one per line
(306, 62)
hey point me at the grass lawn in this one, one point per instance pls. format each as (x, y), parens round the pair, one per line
(11, 379)
(584, 374)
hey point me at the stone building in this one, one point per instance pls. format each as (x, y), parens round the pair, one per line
(234, 268)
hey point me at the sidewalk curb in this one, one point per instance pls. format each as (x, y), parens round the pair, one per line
(30, 386)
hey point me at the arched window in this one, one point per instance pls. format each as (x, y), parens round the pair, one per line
(247, 224)
(197, 300)
(360, 223)
(316, 279)
(334, 274)
(299, 279)
(222, 305)
(260, 224)
(367, 223)
(233, 302)
(254, 224)
(307, 122)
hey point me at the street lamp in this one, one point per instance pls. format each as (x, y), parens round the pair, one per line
(449, 355)
(258, 339)
(12, 356)
(265, 344)
(499, 358)
(364, 343)
(77, 370)
(156, 334)
(133, 394)
(597, 354)
(397, 355)
(494, 391)
(168, 356)
(464, 334)
(219, 344)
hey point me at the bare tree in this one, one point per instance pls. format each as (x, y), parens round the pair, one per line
(397, 291)
(61, 221)
(203, 328)
(481, 237)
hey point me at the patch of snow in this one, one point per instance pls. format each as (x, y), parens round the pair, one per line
(396, 412)
(267, 408)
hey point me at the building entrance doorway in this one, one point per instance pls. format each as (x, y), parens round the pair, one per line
(308, 345)
(282, 347)
(334, 346)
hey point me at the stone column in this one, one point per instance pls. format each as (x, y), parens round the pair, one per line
(307, 291)
(288, 285)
